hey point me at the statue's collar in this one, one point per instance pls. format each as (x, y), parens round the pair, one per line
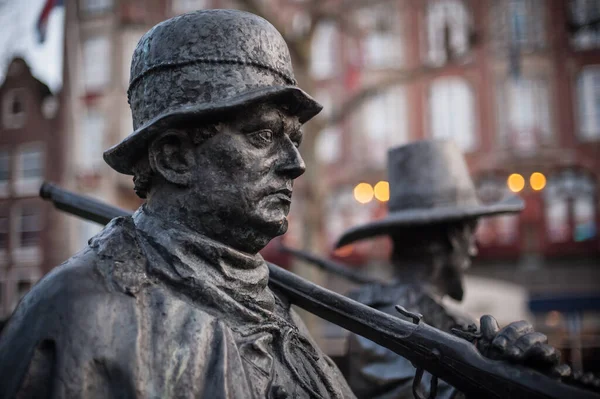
(215, 274)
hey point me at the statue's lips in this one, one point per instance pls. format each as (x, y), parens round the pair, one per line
(284, 195)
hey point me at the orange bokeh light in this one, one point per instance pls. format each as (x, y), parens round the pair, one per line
(344, 251)
(537, 181)
(363, 193)
(515, 182)
(382, 191)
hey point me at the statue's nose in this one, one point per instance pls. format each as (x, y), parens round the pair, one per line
(291, 165)
(473, 251)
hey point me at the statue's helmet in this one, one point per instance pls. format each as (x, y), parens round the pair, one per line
(202, 64)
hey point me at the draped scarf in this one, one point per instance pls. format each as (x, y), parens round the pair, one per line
(233, 286)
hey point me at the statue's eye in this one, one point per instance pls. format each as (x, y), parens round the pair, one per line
(297, 141)
(262, 137)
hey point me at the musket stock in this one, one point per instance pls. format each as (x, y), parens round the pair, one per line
(446, 356)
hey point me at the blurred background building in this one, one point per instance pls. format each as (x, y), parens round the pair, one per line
(516, 83)
(31, 151)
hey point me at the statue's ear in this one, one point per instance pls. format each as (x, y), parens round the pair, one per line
(171, 155)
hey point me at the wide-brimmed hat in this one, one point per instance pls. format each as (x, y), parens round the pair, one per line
(429, 184)
(201, 64)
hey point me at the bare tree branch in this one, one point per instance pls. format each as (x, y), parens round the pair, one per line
(369, 91)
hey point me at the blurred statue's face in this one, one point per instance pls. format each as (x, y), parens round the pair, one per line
(463, 249)
(243, 177)
(444, 251)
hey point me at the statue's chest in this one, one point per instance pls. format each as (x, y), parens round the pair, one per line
(280, 364)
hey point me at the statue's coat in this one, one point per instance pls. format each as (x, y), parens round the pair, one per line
(126, 318)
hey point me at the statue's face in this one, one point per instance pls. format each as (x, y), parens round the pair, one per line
(244, 175)
(464, 248)
(446, 249)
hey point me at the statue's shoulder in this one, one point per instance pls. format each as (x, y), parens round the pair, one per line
(112, 265)
(119, 257)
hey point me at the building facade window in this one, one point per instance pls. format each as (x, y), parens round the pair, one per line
(96, 6)
(13, 109)
(29, 227)
(50, 107)
(524, 114)
(91, 141)
(23, 288)
(328, 148)
(324, 51)
(4, 172)
(588, 95)
(585, 28)
(300, 24)
(4, 230)
(382, 42)
(29, 169)
(31, 164)
(329, 144)
(96, 63)
(385, 126)
(183, 6)
(130, 41)
(21, 281)
(519, 24)
(499, 231)
(452, 113)
(570, 207)
(448, 30)
(343, 212)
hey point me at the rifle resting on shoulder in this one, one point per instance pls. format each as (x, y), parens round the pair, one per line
(446, 356)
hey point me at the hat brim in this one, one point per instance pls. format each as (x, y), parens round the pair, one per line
(124, 156)
(421, 217)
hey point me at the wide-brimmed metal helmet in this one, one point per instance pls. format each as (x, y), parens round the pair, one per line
(201, 64)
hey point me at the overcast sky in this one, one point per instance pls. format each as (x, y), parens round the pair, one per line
(18, 20)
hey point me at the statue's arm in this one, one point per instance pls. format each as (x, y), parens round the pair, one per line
(27, 354)
(51, 333)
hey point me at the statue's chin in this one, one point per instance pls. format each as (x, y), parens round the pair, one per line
(273, 223)
(457, 295)
(259, 234)
(276, 229)
(454, 287)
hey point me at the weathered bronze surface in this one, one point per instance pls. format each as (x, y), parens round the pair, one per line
(173, 302)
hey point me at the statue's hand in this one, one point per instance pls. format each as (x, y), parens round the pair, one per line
(518, 343)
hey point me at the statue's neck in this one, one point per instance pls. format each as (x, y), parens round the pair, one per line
(207, 223)
(420, 270)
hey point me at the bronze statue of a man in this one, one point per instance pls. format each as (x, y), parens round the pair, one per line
(433, 211)
(173, 302)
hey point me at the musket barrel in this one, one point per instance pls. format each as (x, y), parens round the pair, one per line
(448, 357)
(80, 205)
